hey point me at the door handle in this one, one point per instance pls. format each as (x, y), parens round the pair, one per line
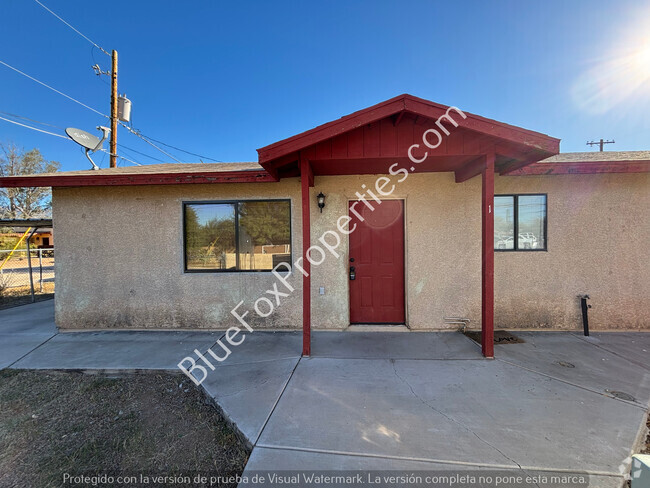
(353, 274)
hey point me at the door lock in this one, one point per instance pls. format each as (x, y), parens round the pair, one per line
(353, 273)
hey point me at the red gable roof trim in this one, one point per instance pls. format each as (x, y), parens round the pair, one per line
(411, 104)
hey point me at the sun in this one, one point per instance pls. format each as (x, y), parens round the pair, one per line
(641, 61)
(621, 75)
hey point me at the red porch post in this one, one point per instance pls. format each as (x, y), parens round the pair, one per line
(487, 257)
(306, 180)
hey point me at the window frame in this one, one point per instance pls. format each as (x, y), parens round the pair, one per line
(515, 197)
(236, 203)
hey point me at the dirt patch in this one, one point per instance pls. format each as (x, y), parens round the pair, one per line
(646, 449)
(500, 337)
(53, 423)
(24, 297)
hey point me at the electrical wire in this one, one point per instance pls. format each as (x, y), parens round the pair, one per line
(120, 157)
(82, 35)
(95, 63)
(140, 153)
(58, 135)
(31, 120)
(182, 150)
(59, 127)
(34, 128)
(53, 89)
(63, 137)
(136, 133)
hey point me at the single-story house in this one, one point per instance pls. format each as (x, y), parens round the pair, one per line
(42, 238)
(407, 212)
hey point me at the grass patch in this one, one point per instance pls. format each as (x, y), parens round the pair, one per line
(53, 423)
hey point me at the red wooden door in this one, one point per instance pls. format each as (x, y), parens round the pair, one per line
(377, 255)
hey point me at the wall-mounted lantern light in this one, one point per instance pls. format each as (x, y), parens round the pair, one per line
(321, 201)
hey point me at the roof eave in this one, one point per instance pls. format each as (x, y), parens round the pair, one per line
(93, 179)
(583, 168)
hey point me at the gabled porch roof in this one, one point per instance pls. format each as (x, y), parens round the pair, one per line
(372, 139)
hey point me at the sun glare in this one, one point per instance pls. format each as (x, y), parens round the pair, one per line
(623, 74)
(642, 61)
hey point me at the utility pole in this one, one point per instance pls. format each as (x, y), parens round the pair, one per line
(113, 145)
(600, 143)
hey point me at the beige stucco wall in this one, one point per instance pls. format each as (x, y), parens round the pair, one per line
(119, 256)
(443, 254)
(598, 241)
(119, 261)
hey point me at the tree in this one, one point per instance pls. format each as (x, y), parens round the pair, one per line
(266, 222)
(24, 203)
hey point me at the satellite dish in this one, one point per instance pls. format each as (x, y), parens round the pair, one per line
(83, 138)
(89, 141)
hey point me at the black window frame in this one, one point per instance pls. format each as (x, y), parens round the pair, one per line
(515, 198)
(236, 204)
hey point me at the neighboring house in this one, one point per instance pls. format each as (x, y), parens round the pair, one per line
(180, 246)
(42, 238)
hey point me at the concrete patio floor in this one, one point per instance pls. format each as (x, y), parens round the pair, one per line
(23, 329)
(559, 402)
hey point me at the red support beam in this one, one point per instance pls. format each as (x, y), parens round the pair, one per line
(515, 165)
(487, 257)
(470, 170)
(306, 180)
(273, 171)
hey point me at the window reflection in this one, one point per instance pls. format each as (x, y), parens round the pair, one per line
(248, 236)
(531, 218)
(523, 216)
(210, 236)
(264, 234)
(504, 222)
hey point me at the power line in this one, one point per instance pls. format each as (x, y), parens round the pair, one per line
(54, 89)
(95, 63)
(136, 133)
(120, 157)
(31, 120)
(34, 128)
(133, 131)
(71, 27)
(59, 127)
(182, 150)
(140, 153)
(64, 137)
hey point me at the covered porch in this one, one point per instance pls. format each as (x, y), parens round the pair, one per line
(401, 137)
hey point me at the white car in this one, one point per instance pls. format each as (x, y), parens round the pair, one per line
(527, 240)
(506, 243)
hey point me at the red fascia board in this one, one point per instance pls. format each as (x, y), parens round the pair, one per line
(494, 128)
(136, 179)
(582, 168)
(330, 129)
(546, 144)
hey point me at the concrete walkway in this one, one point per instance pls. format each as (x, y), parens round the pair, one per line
(558, 403)
(22, 329)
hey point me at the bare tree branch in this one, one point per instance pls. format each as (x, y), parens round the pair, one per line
(23, 203)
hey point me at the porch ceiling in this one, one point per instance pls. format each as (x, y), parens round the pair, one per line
(371, 140)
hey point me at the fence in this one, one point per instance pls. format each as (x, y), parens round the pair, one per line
(26, 276)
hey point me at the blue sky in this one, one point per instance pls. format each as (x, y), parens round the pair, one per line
(225, 78)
